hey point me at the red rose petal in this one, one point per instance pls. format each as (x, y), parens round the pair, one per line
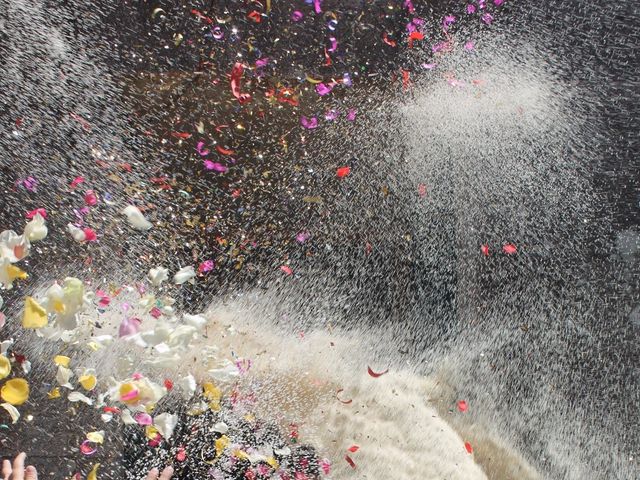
(343, 172)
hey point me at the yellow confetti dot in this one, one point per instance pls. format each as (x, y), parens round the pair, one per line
(15, 391)
(54, 393)
(34, 315)
(5, 367)
(273, 463)
(62, 360)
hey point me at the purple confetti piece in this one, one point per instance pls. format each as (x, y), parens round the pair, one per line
(323, 89)
(297, 16)
(303, 237)
(351, 115)
(218, 167)
(331, 115)
(309, 122)
(201, 150)
(487, 18)
(334, 44)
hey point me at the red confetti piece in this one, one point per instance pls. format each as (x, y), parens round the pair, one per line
(385, 39)
(201, 16)
(485, 250)
(462, 406)
(115, 410)
(181, 135)
(376, 375)
(405, 79)
(468, 446)
(223, 151)
(415, 36)
(350, 461)
(346, 402)
(509, 249)
(353, 448)
(168, 384)
(88, 448)
(343, 172)
(255, 16)
(236, 84)
(422, 189)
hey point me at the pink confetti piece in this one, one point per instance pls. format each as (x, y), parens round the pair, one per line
(509, 249)
(286, 269)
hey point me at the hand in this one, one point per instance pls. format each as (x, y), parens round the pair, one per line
(18, 472)
(153, 474)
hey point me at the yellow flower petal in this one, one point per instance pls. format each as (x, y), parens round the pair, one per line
(151, 432)
(129, 393)
(15, 391)
(34, 315)
(62, 360)
(54, 393)
(93, 474)
(88, 382)
(213, 394)
(5, 367)
(96, 437)
(14, 272)
(221, 444)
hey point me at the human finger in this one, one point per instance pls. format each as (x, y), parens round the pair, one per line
(166, 473)
(18, 467)
(6, 469)
(153, 474)
(31, 473)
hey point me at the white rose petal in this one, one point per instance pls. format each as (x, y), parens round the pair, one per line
(197, 321)
(36, 230)
(158, 275)
(78, 397)
(165, 423)
(77, 233)
(184, 275)
(63, 376)
(13, 411)
(136, 219)
(188, 385)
